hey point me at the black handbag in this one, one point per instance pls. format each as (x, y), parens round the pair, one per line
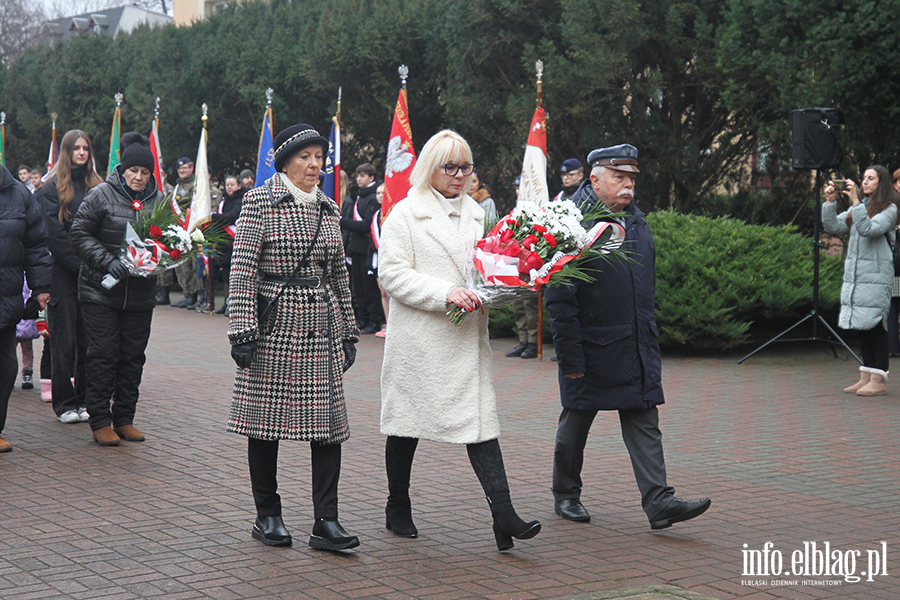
(267, 308)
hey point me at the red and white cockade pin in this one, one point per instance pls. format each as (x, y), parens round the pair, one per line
(137, 205)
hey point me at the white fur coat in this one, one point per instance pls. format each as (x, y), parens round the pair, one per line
(437, 377)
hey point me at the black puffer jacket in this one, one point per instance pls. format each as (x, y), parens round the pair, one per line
(360, 231)
(60, 245)
(98, 236)
(23, 248)
(226, 214)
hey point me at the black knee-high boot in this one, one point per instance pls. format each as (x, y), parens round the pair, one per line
(398, 458)
(487, 461)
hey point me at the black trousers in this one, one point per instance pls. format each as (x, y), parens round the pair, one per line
(640, 431)
(114, 362)
(485, 457)
(366, 292)
(874, 345)
(262, 457)
(893, 331)
(9, 368)
(68, 342)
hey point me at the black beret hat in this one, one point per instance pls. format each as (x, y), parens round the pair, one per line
(293, 139)
(184, 160)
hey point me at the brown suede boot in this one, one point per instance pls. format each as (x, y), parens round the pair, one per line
(5, 446)
(105, 436)
(130, 433)
(876, 385)
(865, 374)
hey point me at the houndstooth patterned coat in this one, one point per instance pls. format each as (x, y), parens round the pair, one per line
(294, 388)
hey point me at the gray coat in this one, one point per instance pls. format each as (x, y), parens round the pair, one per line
(869, 265)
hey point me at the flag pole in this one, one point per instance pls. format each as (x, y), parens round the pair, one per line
(337, 172)
(209, 255)
(52, 161)
(539, 69)
(160, 182)
(269, 93)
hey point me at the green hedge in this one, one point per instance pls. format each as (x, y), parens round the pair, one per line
(716, 277)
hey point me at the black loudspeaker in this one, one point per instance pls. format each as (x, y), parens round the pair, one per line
(815, 141)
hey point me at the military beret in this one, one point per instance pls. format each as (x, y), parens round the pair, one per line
(184, 160)
(569, 165)
(620, 158)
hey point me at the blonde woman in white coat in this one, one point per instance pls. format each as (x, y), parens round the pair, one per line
(436, 379)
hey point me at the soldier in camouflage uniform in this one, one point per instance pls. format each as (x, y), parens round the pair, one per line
(185, 272)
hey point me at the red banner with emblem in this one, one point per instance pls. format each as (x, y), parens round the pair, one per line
(401, 158)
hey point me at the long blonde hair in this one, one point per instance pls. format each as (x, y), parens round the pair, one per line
(63, 171)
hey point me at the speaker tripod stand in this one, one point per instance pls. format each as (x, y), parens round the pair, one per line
(813, 315)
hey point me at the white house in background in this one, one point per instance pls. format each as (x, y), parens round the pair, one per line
(109, 21)
(188, 11)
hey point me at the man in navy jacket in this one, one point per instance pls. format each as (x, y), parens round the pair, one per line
(606, 343)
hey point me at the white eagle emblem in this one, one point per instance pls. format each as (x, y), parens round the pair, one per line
(399, 158)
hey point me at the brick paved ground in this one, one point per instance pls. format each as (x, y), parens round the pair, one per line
(785, 456)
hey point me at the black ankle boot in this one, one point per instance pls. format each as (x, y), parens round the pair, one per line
(398, 515)
(327, 534)
(507, 524)
(271, 531)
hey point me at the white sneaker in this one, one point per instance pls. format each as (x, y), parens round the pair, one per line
(70, 416)
(83, 415)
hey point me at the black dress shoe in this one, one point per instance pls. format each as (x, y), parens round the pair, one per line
(271, 531)
(517, 351)
(530, 351)
(572, 509)
(679, 510)
(329, 535)
(369, 329)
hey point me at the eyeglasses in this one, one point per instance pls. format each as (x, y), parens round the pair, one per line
(451, 170)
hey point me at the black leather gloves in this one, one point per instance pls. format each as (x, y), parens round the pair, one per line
(244, 354)
(118, 270)
(349, 354)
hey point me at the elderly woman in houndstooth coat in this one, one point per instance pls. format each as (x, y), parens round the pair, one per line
(291, 357)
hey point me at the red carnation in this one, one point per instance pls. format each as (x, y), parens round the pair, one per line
(176, 254)
(539, 228)
(550, 239)
(529, 241)
(155, 232)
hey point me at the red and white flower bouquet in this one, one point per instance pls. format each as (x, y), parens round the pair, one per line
(536, 246)
(161, 241)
